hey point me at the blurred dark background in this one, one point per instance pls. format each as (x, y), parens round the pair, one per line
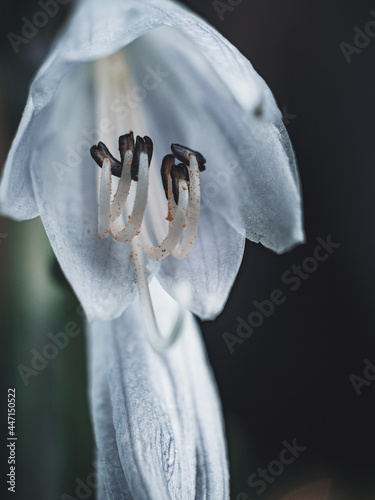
(291, 378)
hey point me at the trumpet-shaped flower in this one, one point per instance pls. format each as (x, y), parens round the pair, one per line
(153, 67)
(156, 68)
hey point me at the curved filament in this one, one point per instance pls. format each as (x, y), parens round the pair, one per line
(127, 232)
(192, 221)
(104, 206)
(176, 226)
(157, 340)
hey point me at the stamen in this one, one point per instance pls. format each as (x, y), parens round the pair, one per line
(178, 173)
(183, 154)
(159, 342)
(145, 145)
(149, 148)
(168, 162)
(126, 148)
(104, 207)
(133, 226)
(176, 227)
(182, 251)
(157, 222)
(100, 152)
(125, 144)
(166, 167)
(181, 184)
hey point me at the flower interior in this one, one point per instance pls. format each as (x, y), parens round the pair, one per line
(181, 183)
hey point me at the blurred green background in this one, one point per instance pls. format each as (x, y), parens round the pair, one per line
(291, 379)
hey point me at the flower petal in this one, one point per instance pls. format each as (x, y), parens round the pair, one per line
(251, 178)
(111, 479)
(96, 30)
(17, 198)
(211, 268)
(165, 413)
(64, 180)
(99, 29)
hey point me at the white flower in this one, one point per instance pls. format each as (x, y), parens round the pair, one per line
(156, 68)
(177, 80)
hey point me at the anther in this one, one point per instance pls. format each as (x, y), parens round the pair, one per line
(168, 162)
(183, 154)
(125, 143)
(141, 146)
(149, 147)
(100, 153)
(178, 173)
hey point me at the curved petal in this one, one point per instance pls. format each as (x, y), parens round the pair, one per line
(251, 178)
(111, 481)
(64, 180)
(165, 414)
(99, 29)
(17, 198)
(211, 268)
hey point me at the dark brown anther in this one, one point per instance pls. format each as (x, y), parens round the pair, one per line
(136, 155)
(183, 153)
(141, 146)
(149, 147)
(168, 162)
(100, 152)
(179, 173)
(125, 143)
